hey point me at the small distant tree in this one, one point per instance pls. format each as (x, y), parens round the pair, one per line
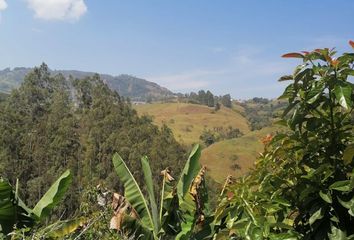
(226, 100)
(207, 137)
(217, 107)
(149, 99)
(209, 97)
(202, 97)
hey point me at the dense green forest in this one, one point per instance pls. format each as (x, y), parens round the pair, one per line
(50, 124)
(137, 89)
(301, 186)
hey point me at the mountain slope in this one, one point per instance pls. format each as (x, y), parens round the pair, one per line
(128, 86)
(235, 156)
(188, 121)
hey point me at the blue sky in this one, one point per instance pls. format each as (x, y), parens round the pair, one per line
(227, 46)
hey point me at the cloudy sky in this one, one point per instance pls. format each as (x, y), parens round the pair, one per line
(227, 46)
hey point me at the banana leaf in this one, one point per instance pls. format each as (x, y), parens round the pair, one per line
(53, 196)
(133, 192)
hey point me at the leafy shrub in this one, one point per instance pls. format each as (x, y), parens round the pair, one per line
(302, 186)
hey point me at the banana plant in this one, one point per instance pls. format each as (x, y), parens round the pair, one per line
(14, 212)
(178, 211)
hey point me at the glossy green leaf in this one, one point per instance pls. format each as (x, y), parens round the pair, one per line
(316, 216)
(326, 197)
(343, 95)
(343, 186)
(348, 205)
(337, 234)
(348, 154)
(53, 196)
(315, 92)
(288, 92)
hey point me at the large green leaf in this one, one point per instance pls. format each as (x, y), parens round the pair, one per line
(326, 197)
(188, 207)
(348, 205)
(316, 216)
(315, 92)
(348, 154)
(61, 229)
(132, 191)
(337, 234)
(150, 189)
(288, 92)
(53, 196)
(189, 172)
(7, 208)
(343, 93)
(343, 186)
(11, 212)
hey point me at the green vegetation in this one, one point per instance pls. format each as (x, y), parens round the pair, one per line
(209, 136)
(49, 124)
(136, 89)
(261, 112)
(3, 96)
(236, 156)
(15, 214)
(181, 208)
(206, 98)
(188, 121)
(301, 186)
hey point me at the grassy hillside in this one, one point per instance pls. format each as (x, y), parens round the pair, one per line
(188, 121)
(235, 156)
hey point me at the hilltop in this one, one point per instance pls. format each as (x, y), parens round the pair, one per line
(137, 89)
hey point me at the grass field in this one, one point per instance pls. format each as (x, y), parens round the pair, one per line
(235, 156)
(188, 121)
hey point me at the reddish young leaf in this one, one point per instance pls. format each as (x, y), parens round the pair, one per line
(293, 55)
(335, 62)
(329, 59)
(351, 43)
(305, 52)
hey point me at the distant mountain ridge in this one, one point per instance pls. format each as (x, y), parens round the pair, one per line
(137, 89)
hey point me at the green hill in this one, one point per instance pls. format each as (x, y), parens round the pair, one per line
(188, 121)
(234, 156)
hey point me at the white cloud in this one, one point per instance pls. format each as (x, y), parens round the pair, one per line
(3, 5)
(58, 9)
